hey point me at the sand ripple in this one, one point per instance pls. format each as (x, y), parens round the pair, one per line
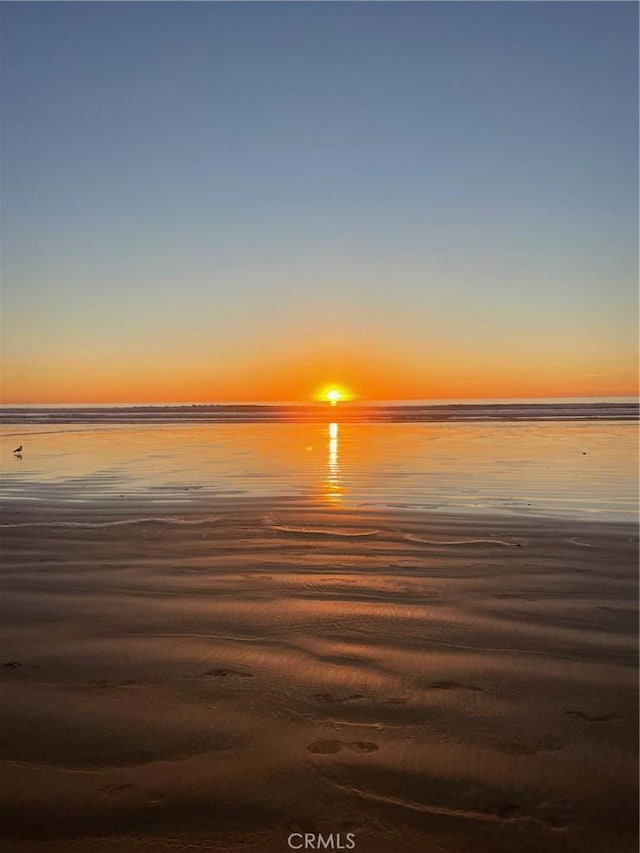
(217, 679)
(123, 522)
(331, 531)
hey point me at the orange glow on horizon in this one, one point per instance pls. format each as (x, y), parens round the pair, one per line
(378, 373)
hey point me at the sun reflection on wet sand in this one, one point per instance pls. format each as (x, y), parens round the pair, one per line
(573, 469)
(334, 483)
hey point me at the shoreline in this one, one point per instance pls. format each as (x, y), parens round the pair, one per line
(37, 510)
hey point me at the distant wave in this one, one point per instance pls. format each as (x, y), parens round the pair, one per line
(344, 413)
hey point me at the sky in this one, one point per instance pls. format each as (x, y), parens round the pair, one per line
(252, 201)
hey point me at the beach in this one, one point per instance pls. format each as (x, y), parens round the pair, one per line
(183, 670)
(319, 493)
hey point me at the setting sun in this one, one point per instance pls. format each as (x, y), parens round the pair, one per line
(334, 394)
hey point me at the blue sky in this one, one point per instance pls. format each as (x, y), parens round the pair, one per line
(212, 184)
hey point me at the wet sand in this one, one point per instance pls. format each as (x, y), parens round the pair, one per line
(218, 680)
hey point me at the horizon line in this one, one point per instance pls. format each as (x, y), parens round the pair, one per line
(320, 403)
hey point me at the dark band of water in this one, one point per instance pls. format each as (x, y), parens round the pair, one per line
(320, 412)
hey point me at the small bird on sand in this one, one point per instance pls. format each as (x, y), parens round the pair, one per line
(18, 449)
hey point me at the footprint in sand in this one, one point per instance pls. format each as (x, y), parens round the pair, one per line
(118, 790)
(454, 685)
(330, 698)
(222, 673)
(155, 798)
(330, 747)
(15, 664)
(582, 715)
(548, 744)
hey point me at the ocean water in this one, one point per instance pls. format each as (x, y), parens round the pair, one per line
(568, 458)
